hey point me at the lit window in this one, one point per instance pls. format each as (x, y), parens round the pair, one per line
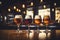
(43, 12)
(57, 14)
(30, 13)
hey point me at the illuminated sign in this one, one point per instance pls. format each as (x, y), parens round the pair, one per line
(30, 12)
(43, 12)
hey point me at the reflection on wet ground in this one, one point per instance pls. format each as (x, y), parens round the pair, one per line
(28, 35)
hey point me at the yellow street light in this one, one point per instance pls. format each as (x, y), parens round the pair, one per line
(41, 0)
(32, 4)
(52, 9)
(44, 6)
(23, 6)
(9, 9)
(14, 7)
(54, 4)
(19, 10)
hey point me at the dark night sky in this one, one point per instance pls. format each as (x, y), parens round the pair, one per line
(15, 2)
(10, 3)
